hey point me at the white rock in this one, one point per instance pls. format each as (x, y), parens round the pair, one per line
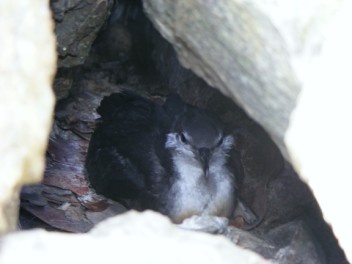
(27, 66)
(130, 238)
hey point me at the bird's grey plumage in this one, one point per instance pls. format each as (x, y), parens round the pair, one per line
(172, 158)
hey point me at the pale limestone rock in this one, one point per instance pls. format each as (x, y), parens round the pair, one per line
(27, 64)
(130, 238)
(230, 45)
(319, 137)
(261, 53)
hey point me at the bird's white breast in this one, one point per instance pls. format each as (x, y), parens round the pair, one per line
(193, 194)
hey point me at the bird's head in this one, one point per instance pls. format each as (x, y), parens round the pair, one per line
(197, 137)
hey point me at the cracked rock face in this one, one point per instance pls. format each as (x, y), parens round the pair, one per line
(77, 24)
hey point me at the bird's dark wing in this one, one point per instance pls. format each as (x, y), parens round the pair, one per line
(125, 153)
(174, 106)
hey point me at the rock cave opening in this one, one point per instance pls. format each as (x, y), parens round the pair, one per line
(128, 53)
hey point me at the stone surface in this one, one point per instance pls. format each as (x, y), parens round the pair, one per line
(236, 57)
(289, 243)
(261, 54)
(269, 186)
(260, 61)
(132, 238)
(319, 136)
(76, 26)
(64, 200)
(26, 100)
(297, 245)
(208, 224)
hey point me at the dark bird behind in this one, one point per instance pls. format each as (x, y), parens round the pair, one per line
(173, 158)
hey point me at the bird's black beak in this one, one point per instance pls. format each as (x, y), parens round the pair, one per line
(204, 156)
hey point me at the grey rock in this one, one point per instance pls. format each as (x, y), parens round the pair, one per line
(297, 245)
(206, 223)
(77, 25)
(261, 54)
(112, 210)
(291, 243)
(229, 44)
(63, 83)
(252, 242)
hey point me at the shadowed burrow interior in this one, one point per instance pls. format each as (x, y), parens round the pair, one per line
(273, 211)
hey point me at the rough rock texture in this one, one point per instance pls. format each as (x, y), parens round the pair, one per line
(27, 65)
(286, 244)
(77, 25)
(64, 200)
(296, 244)
(272, 190)
(229, 44)
(132, 238)
(269, 187)
(260, 54)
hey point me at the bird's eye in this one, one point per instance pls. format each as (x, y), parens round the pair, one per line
(183, 138)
